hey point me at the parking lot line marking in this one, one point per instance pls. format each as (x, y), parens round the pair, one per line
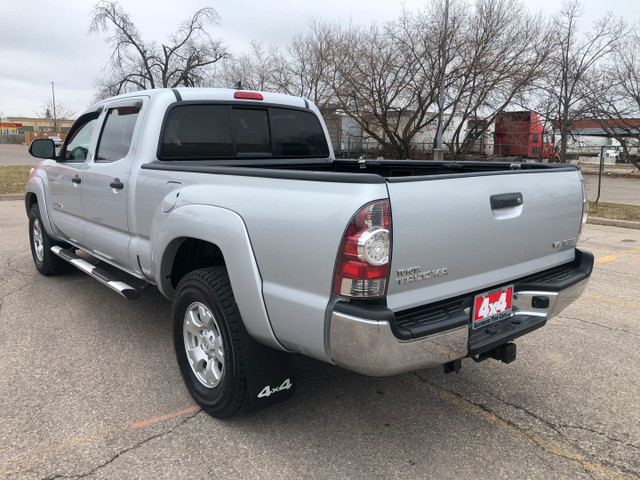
(611, 300)
(610, 258)
(164, 417)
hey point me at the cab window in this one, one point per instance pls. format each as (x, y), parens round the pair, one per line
(217, 131)
(117, 132)
(79, 138)
(251, 131)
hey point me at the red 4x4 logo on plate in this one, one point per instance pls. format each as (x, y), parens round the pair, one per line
(492, 306)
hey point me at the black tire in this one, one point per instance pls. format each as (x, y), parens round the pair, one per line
(46, 262)
(210, 288)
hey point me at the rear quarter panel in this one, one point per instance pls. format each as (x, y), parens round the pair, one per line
(294, 227)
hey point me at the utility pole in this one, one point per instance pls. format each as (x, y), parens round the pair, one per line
(55, 118)
(438, 153)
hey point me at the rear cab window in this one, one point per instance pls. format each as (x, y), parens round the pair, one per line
(251, 132)
(227, 131)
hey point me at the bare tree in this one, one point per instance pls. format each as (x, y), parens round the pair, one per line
(257, 69)
(503, 47)
(135, 64)
(63, 112)
(615, 96)
(432, 41)
(300, 70)
(449, 63)
(382, 78)
(572, 68)
(305, 71)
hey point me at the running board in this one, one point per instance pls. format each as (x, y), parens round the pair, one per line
(97, 273)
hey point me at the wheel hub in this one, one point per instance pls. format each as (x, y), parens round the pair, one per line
(203, 344)
(37, 240)
(208, 342)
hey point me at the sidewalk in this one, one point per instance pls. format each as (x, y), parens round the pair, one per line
(613, 223)
(621, 170)
(16, 196)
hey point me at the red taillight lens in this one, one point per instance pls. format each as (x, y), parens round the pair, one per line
(363, 262)
(249, 95)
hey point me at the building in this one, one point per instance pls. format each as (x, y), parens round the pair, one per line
(345, 134)
(350, 141)
(591, 137)
(36, 125)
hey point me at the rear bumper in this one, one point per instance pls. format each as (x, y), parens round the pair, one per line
(373, 340)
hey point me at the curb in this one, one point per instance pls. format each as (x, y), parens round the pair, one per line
(613, 223)
(17, 196)
(633, 175)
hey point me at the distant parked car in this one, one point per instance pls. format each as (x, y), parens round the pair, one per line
(57, 141)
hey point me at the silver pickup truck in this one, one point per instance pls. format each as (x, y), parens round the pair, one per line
(232, 204)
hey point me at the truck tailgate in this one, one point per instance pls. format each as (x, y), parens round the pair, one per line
(461, 234)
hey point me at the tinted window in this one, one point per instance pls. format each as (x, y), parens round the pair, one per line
(197, 131)
(223, 131)
(251, 131)
(297, 134)
(117, 132)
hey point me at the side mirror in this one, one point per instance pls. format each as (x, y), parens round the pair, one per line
(42, 148)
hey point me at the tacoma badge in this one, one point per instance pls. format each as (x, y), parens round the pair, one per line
(564, 243)
(414, 274)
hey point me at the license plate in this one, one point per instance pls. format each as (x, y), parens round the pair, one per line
(491, 307)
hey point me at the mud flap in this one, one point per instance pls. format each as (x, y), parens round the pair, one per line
(270, 374)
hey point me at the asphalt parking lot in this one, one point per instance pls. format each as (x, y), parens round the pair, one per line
(90, 389)
(613, 190)
(16, 155)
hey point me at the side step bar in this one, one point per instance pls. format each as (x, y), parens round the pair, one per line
(97, 273)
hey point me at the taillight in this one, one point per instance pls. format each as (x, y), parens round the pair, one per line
(362, 270)
(585, 205)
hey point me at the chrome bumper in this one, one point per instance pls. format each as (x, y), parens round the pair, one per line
(558, 301)
(370, 347)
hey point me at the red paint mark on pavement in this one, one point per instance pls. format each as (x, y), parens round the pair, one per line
(164, 417)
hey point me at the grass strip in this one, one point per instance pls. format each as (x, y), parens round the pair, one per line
(615, 211)
(13, 178)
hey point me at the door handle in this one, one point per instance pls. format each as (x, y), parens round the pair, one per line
(506, 200)
(117, 184)
(76, 179)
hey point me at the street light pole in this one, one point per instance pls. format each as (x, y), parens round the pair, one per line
(55, 118)
(438, 153)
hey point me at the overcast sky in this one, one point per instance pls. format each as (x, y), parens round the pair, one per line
(43, 41)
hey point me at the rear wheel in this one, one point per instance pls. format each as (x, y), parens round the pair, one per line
(206, 334)
(46, 262)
